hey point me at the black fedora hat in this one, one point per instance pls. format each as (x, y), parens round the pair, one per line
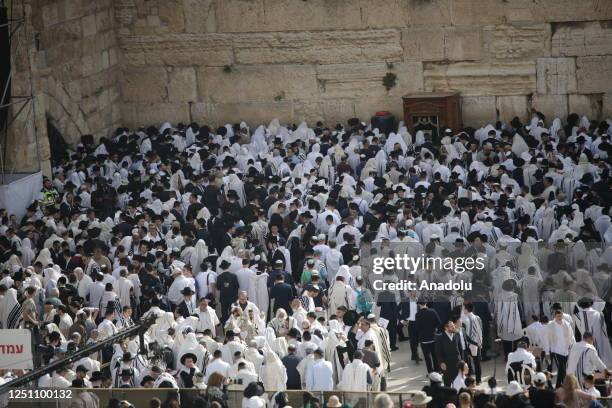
(188, 355)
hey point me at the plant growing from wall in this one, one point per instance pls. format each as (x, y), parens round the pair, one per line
(280, 96)
(227, 69)
(389, 80)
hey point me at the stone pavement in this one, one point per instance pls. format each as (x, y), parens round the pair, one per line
(408, 376)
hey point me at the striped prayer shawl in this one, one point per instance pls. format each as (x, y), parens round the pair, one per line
(383, 336)
(10, 310)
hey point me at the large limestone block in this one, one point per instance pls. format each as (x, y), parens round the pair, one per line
(338, 110)
(145, 85)
(253, 113)
(325, 47)
(172, 15)
(361, 80)
(308, 111)
(511, 106)
(606, 109)
(200, 16)
(182, 84)
(594, 74)
(88, 25)
(589, 105)
(556, 75)
(475, 79)
(240, 16)
(476, 12)
(385, 13)
(478, 110)
(282, 15)
(462, 44)
(582, 39)
(137, 114)
(571, 10)
(257, 83)
(50, 14)
(423, 44)
(178, 49)
(429, 13)
(517, 41)
(552, 106)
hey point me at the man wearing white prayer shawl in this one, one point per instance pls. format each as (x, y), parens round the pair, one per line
(273, 372)
(509, 327)
(253, 356)
(590, 320)
(530, 290)
(10, 310)
(207, 318)
(258, 291)
(123, 287)
(356, 375)
(191, 345)
(180, 282)
(232, 346)
(319, 376)
(583, 359)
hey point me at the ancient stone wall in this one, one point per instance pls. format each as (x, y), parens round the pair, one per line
(326, 59)
(98, 63)
(67, 56)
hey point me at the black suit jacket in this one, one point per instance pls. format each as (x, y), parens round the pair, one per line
(448, 352)
(184, 309)
(427, 321)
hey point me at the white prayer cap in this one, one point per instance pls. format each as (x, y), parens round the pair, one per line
(435, 377)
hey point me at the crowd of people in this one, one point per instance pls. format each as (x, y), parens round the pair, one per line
(249, 253)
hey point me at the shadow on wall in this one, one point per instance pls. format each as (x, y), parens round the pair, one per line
(57, 143)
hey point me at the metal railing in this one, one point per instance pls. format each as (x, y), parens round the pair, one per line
(140, 397)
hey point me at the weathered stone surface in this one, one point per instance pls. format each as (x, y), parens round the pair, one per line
(552, 106)
(178, 49)
(511, 106)
(571, 10)
(478, 110)
(423, 44)
(589, 105)
(582, 39)
(145, 85)
(556, 75)
(475, 79)
(281, 15)
(182, 85)
(200, 17)
(517, 41)
(359, 80)
(606, 108)
(239, 16)
(156, 113)
(476, 12)
(318, 47)
(462, 44)
(257, 83)
(365, 108)
(594, 74)
(172, 15)
(88, 25)
(338, 110)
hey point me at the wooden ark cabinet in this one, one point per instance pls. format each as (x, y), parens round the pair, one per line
(432, 113)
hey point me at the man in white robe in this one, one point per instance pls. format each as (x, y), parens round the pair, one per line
(590, 320)
(356, 375)
(319, 377)
(583, 359)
